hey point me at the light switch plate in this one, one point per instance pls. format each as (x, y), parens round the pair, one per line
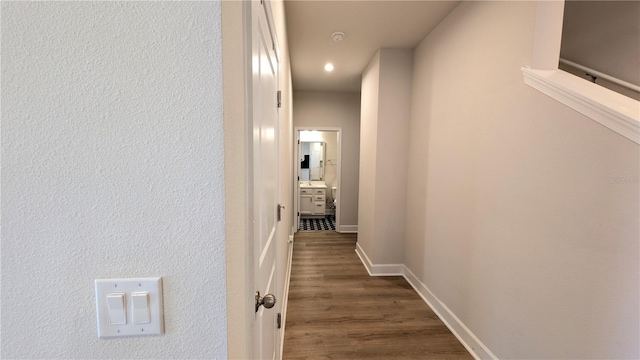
(152, 286)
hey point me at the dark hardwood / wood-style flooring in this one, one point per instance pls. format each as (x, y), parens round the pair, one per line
(337, 311)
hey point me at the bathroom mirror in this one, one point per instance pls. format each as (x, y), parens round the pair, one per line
(312, 161)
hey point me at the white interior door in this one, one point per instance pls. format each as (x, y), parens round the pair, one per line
(265, 176)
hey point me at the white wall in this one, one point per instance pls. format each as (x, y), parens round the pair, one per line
(386, 104)
(112, 163)
(368, 151)
(336, 109)
(523, 214)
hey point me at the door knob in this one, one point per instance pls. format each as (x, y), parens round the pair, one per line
(268, 301)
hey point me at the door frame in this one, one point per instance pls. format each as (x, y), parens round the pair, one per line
(296, 170)
(237, 116)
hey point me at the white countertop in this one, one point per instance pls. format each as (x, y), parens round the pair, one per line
(313, 186)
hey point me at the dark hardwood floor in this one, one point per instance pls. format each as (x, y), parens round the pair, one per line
(337, 311)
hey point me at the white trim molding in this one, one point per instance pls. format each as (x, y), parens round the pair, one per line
(615, 111)
(285, 292)
(379, 270)
(345, 229)
(466, 337)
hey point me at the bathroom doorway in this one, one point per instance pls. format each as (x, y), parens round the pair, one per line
(317, 162)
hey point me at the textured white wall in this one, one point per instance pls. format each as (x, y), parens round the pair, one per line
(333, 109)
(523, 214)
(112, 164)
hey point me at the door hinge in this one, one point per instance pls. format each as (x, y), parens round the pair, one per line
(261, 2)
(298, 213)
(279, 98)
(298, 141)
(279, 321)
(280, 207)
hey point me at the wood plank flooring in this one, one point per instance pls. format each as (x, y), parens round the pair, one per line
(337, 311)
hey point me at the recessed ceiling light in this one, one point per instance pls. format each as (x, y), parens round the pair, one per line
(328, 67)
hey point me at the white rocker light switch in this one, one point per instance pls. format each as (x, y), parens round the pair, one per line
(129, 307)
(117, 308)
(140, 307)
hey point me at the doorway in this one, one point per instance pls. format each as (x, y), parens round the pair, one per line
(317, 162)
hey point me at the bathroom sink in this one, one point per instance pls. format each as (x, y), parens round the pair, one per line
(321, 186)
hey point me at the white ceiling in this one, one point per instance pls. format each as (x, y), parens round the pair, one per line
(368, 26)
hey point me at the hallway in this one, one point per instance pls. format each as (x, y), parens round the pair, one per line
(337, 311)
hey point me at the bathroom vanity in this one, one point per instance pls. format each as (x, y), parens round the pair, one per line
(313, 200)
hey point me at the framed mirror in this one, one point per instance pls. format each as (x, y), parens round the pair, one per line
(312, 154)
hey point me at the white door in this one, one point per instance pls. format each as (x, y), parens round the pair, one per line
(265, 176)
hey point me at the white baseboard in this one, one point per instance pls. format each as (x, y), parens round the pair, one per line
(285, 292)
(379, 270)
(348, 229)
(468, 339)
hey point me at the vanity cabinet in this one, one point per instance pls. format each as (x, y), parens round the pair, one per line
(313, 201)
(306, 201)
